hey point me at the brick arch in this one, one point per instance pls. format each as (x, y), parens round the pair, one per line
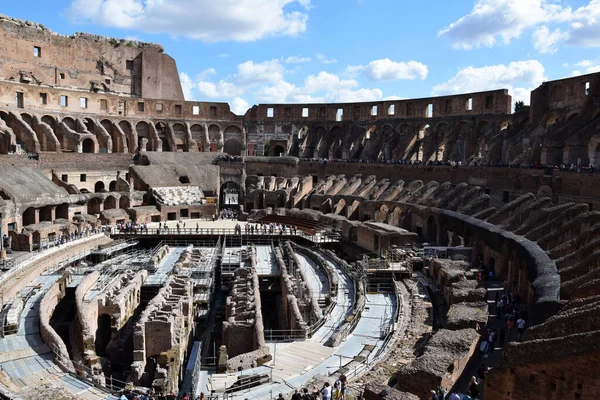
(198, 136)
(130, 135)
(180, 137)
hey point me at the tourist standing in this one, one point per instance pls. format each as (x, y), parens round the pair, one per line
(326, 391)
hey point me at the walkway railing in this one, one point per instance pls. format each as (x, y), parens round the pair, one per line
(325, 237)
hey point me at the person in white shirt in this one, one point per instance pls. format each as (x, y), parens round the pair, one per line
(520, 328)
(326, 391)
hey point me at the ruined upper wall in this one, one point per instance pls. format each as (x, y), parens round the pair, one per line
(562, 95)
(490, 102)
(33, 54)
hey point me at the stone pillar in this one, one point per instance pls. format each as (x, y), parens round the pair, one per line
(37, 216)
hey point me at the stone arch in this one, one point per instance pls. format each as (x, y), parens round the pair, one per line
(232, 132)
(118, 142)
(335, 143)
(162, 131)
(124, 202)
(230, 194)
(232, 147)
(394, 216)
(88, 146)
(594, 150)
(50, 121)
(199, 136)
(28, 217)
(129, 135)
(143, 133)
(99, 187)
(110, 202)
(70, 122)
(112, 186)
(180, 137)
(89, 124)
(390, 142)
(46, 214)
(381, 215)
(214, 134)
(312, 140)
(550, 119)
(62, 211)
(94, 206)
(278, 150)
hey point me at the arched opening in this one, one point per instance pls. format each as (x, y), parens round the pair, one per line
(184, 179)
(93, 206)
(46, 214)
(281, 200)
(312, 141)
(214, 135)
(28, 119)
(29, 216)
(550, 120)
(198, 136)
(278, 150)
(143, 132)
(99, 187)
(124, 202)
(233, 147)
(129, 136)
(89, 124)
(88, 146)
(112, 186)
(118, 142)
(163, 134)
(110, 202)
(70, 122)
(230, 195)
(62, 211)
(180, 137)
(103, 334)
(47, 119)
(431, 230)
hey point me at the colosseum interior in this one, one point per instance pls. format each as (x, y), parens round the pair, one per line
(370, 240)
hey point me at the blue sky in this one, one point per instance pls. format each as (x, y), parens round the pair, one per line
(272, 51)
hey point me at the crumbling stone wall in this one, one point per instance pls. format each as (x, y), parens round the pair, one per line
(163, 332)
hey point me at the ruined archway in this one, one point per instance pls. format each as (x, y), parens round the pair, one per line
(230, 195)
(143, 132)
(179, 135)
(199, 136)
(278, 151)
(62, 211)
(99, 187)
(110, 202)
(28, 216)
(112, 186)
(93, 206)
(88, 146)
(124, 202)
(162, 130)
(129, 136)
(214, 135)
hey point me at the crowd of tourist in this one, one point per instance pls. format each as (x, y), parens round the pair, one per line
(269, 228)
(548, 167)
(130, 227)
(228, 158)
(228, 213)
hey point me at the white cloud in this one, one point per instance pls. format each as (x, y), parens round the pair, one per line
(297, 60)
(206, 20)
(545, 41)
(222, 89)
(186, 85)
(493, 21)
(239, 106)
(388, 70)
(504, 20)
(249, 73)
(518, 77)
(206, 73)
(585, 24)
(326, 60)
(584, 67)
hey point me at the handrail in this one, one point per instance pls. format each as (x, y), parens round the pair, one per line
(320, 238)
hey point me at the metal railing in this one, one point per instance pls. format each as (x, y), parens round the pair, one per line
(325, 237)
